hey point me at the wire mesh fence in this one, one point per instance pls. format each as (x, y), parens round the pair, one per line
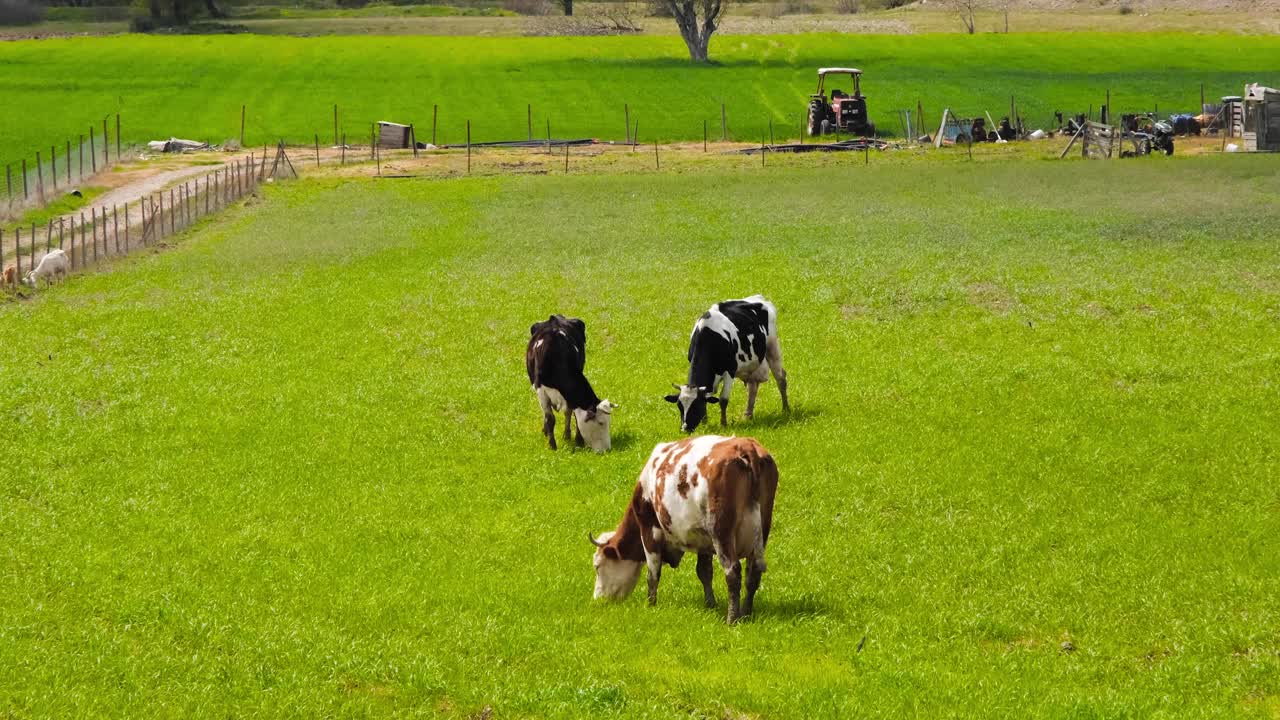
(91, 235)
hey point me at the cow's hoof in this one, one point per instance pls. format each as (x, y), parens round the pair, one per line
(711, 603)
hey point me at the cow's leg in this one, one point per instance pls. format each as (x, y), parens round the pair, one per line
(654, 563)
(728, 556)
(577, 434)
(725, 389)
(773, 352)
(549, 427)
(705, 566)
(752, 389)
(568, 423)
(755, 568)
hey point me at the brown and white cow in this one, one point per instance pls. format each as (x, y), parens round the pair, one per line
(708, 495)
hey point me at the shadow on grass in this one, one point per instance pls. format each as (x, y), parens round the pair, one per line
(776, 418)
(785, 608)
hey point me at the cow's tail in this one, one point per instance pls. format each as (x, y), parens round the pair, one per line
(762, 473)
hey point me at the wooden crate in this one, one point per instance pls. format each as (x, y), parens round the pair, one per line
(393, 135)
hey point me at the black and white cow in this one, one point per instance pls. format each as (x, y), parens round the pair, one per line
(554, 360)
(734, 339)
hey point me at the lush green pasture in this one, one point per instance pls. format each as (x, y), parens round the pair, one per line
(292, 466)
(195, 86)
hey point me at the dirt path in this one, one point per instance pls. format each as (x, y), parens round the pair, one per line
(150, 183)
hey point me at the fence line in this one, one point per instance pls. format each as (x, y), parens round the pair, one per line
(43, 176)
(117, 230)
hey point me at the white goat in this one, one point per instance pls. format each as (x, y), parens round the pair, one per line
(54, 263)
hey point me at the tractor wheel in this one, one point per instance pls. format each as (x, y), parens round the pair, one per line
(815, 115)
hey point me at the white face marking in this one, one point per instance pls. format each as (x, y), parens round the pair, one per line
(595, 432)
(615, 579)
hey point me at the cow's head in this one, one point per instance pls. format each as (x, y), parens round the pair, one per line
(594, 425)
(616, 576)
(692, 404)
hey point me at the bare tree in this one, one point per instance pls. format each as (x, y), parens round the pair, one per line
(697, 20)
(968, 10)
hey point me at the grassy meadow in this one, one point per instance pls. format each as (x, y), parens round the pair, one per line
(194, 86)
(291, 466)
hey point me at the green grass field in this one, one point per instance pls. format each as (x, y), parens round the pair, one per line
(292, 466)
(195, 86)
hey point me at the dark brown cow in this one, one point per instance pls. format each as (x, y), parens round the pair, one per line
(554, 360)
(707, 495)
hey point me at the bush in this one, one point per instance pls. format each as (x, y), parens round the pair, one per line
(849, 7)
(20, 12)
(352, 3)
(1126, 9)
(528, 7)
(658, 8)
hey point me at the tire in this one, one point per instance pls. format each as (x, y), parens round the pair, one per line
(816, 113)
(825, 128)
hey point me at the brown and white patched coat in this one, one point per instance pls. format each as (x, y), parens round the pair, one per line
(711, 496)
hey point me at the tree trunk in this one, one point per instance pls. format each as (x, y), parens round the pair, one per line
(214, 10)
(696, 32)
(568, 7)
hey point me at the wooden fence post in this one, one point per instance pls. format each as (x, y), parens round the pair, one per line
(106, 154)
(242, 126)
(80, 159)
(25, 194)
(93, 154)
(39, 178)
(566, 158)
(53, 165)
(61, 230)
(434, 114)
(264, 154)
(93, 215)
(413, 139)
(724, 124)
(115, 222)
(118, 141)
(344, 149)
(468, 149)
(173, 220)
(656, 164)
(126, 227)
(17, 253)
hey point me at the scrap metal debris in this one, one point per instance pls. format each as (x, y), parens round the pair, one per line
(842, 146)
(174, 144)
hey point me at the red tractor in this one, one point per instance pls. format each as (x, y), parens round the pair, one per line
(841, 112)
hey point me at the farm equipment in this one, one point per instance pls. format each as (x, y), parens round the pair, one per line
(1147, 133)
(840, 112)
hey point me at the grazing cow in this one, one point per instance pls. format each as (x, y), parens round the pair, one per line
(55, 263)
(8, 276)
(708, 495)
(554, 359)
(734, 339)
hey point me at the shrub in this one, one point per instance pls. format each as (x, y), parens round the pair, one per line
(1126, 9)
(527, 7)
(658, 8)
(849, 7)
(20, 12)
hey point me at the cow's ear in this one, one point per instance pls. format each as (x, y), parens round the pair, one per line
(671, 398)
(610, 552)
(712, 399)
(534, 328)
